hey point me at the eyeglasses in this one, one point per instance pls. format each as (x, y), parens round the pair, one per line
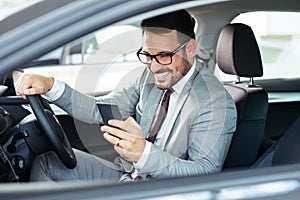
(161, 58)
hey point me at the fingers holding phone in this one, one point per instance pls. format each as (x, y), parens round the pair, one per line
(126, 135)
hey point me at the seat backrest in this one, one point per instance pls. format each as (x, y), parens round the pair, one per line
(284, 151)
(238, 54)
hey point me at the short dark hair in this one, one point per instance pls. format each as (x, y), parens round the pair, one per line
(180, 20)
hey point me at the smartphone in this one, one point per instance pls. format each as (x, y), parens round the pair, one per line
(109, 111)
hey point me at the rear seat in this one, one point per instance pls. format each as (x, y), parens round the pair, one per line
(285, 151)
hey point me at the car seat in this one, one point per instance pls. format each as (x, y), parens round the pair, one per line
(284, 151)
(238, 54)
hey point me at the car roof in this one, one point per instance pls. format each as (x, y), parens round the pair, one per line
(240, 6)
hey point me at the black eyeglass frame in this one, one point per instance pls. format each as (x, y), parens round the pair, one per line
(171, 54)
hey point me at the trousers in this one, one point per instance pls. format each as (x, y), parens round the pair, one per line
(48, 167)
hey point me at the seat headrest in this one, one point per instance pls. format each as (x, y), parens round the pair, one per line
(238, 52)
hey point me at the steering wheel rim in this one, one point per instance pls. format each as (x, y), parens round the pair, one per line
(53, 130)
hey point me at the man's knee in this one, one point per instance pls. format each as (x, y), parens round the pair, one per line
(42, 165)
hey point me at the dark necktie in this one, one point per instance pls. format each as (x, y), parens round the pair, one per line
(160, 115)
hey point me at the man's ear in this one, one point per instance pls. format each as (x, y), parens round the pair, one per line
(191, 48)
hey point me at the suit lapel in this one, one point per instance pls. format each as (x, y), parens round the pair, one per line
(151, 106)
(175, 114)
(181, 100)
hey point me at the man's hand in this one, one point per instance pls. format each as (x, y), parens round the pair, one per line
(30, 84)
(127, 137)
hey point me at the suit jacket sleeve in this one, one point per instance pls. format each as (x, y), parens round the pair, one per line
(83, 107)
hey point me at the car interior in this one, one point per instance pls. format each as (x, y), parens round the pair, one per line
(266, 124)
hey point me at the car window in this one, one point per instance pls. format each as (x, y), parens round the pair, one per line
(279, 42)
(104, 57)
(117, 43)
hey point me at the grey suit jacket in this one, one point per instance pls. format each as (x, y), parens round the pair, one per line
(199, 134)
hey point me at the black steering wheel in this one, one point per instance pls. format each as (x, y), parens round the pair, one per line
(53, 130)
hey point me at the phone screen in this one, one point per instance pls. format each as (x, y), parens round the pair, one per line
(109, 111)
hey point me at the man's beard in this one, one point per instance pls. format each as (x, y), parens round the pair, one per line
(175, 77)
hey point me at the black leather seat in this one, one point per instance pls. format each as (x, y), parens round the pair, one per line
(238, 54)
(284, 151)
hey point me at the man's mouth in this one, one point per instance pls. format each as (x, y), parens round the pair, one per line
(162, 76)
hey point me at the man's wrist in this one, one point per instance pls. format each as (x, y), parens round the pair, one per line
(144, 157)
(56, 90)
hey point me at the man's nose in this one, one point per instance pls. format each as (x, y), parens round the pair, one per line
(154, 65)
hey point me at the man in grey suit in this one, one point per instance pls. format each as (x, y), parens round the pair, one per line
(195, 135)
